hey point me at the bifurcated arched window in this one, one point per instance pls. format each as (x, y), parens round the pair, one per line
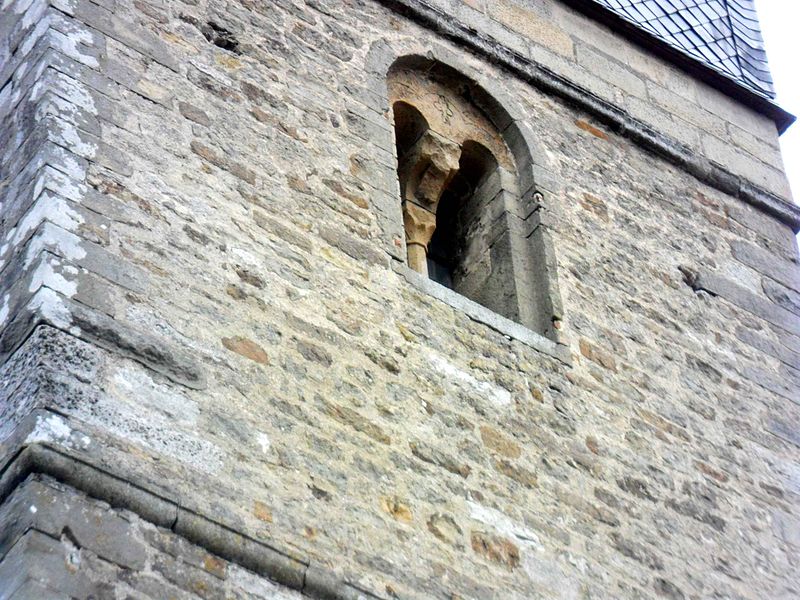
(466, 225)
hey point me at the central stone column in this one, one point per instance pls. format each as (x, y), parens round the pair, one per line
(425, 171)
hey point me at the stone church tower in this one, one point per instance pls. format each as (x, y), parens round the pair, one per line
(377, 299)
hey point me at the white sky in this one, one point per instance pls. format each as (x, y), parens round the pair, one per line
(780, 24)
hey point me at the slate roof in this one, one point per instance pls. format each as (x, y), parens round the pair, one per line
(723, 34)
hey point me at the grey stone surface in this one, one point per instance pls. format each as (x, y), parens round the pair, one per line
(768, 346)
(784, 430)
(782, 296)
(747, 300)
(238, 372)
(38, 560)
(33, 590)
(781, 386)
(37, 506)
(79, 319)
(764, 226)
(788, 526)
(782, 271)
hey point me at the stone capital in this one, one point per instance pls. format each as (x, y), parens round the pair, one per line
(427, 168)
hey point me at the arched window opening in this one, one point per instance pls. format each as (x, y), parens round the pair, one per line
(466, 224)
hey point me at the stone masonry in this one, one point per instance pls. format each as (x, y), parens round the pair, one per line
(220, 378)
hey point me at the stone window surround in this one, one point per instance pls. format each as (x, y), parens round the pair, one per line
(535, 182)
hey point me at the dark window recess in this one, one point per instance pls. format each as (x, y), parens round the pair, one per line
(439, 270)
(409, 126)
(220, 37)
(459, 234)
(469, 250)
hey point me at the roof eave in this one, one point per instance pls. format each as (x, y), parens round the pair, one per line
(715, 78)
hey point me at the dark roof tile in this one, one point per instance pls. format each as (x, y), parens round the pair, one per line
(723, 34)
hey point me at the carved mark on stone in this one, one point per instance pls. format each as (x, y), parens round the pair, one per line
(443, 105)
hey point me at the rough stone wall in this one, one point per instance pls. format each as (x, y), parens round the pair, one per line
(204, 323)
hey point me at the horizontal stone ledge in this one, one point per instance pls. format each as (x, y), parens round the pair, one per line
(240, 549)
(614, 117)
(483, 315)
(216, 538)
(23, 458)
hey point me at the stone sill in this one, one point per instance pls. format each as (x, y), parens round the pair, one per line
(481, 314)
